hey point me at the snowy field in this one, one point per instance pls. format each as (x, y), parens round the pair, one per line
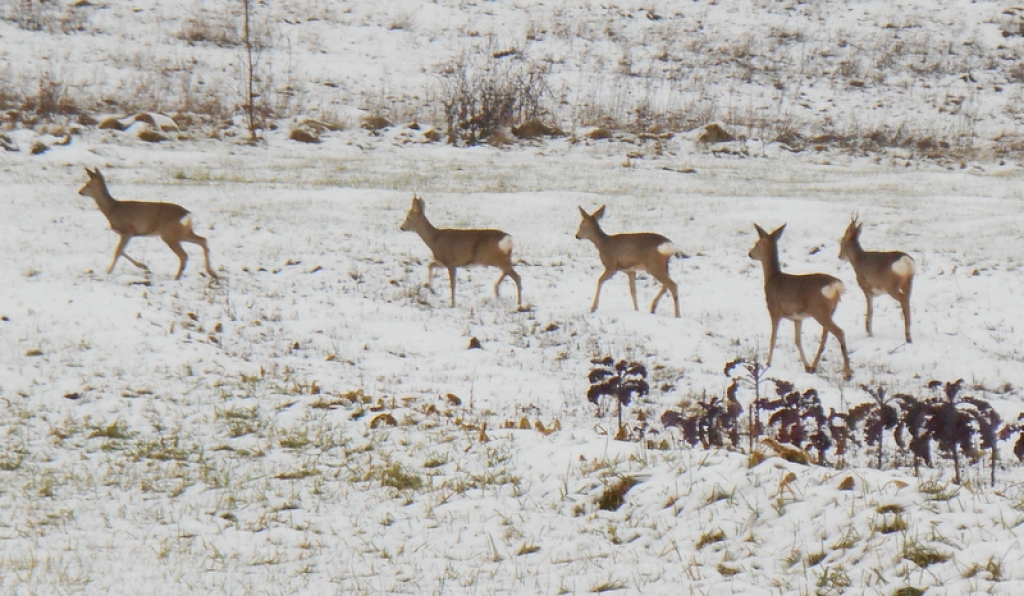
(314, 420)
(221, 436)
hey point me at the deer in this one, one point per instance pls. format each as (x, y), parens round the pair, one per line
(644, 251)
(798, 297)
(173, 223)
(462, 248)
(879, 273)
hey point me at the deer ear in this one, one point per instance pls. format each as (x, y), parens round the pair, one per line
(599, 213)
(760, 231)
(778, 231)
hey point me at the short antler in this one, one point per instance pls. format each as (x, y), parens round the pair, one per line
(889, 273)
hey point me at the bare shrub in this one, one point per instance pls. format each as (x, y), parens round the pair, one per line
(208, 26)
(52, 17)
(10, 94)
(51, 97)
(482, 94)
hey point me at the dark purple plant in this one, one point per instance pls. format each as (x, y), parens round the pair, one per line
(751, 374)
(800, 419)
(876, 417)
(621, 380)
(716, 420)
(959, 425)
(1017, 428)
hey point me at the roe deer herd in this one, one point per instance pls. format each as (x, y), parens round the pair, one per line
(788, 296)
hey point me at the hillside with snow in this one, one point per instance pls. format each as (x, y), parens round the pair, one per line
(316, 420)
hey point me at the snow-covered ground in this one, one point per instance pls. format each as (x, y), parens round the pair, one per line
(206, 436)
(315, 422)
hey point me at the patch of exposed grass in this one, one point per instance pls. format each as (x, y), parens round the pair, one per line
(117, 430)
(992, 570)
(395, 476)
(166, 448)
(614, 494)
(890, 518)
(936, 491)
(710, 537)
(294, 439)
(814, 558)
(833, 580)
(608, 586)
(922, 555)
(241, 421)
(299, 474)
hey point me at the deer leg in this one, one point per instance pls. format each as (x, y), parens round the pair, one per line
(182, 255)
(519, 284)
(657, 297)
(771, 343)
(871, 311)
(197, 239)
(797, 332)
(905, 305)
(632, 288)
(120, 251)
(430, 274)
(667, 285)
(451, 282)
(608, 273)
(821, 350)
(831, 327)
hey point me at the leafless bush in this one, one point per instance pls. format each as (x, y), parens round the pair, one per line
(30, 15)
(216, 26)
(482, 94)
(51, 97)
(10, 94)
(49, 16)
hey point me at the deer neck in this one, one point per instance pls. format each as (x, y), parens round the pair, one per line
(599, 237)
(856, 252)
(426, 230)
(104, 201)
(770, 264)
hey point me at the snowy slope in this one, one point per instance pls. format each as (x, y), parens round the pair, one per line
(237, 436)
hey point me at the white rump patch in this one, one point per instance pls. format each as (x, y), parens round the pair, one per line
(187, 220)
(833, 290)
(667, 248)
(904, 267)
(505, 244)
